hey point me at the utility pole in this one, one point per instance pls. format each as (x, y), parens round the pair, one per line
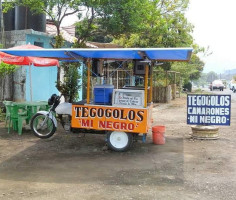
(2, 26)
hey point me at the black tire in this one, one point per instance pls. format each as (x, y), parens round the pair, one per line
(117, 147)
(50, 127)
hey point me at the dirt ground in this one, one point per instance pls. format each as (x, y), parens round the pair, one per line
(71, 166)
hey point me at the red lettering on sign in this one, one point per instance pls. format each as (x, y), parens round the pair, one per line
(109, 123)
(123, 126)
(102, 124)
(115, 125)
(86, 123)
(131, 126)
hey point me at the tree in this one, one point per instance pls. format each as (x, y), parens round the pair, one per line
(202, 81)
(130, 23)
(5, 69)
(106, 19)
(103, 17)
(57, 10)
(211, 76)
(69, 86)
(167, 26)
(164, 26)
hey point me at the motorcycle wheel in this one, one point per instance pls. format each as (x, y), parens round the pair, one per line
(42, 126)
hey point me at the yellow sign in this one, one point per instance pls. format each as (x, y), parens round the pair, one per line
(110, 118)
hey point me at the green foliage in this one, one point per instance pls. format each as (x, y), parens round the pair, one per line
(129, 23)
(211, 76)
(190, 70)
(188, 86)
(69, 86)
(59, 41)
(6, 69)
(106, 19)
(202, 81)
(234, 77)
(163, 25)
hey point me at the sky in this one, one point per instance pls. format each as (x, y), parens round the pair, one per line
(215, 26)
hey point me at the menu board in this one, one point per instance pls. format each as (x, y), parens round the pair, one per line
(128, 97)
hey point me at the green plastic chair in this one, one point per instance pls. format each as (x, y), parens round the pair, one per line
(44, 107)
(17, 117)
(7, 105)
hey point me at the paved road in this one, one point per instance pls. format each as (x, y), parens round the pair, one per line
(226, 91)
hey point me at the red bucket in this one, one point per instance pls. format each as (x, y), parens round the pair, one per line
(158, 134)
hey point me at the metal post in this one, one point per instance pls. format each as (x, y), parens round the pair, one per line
(151, 83)
(31, 90)
(117, 82)
(146, 85)
(88, 81)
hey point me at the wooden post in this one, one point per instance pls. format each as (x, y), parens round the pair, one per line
(180, 85)
(146, 85)
(166, 78)
(175, 78)
(88, 81)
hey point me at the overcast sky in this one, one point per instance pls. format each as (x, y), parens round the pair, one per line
(215, 26)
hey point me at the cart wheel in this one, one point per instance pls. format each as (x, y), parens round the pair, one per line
(119, 141)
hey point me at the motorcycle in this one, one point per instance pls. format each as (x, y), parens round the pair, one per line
(44, 123)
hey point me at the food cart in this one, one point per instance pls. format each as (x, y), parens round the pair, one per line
(121, 113)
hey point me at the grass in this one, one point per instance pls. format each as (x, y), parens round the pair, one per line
(200, 91)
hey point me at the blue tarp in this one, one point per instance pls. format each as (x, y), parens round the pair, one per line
(162, 54)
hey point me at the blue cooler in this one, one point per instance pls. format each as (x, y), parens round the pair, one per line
(103, 94)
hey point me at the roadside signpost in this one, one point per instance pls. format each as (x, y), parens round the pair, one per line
(208, 110)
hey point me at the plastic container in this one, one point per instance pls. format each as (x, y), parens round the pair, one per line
(103, 94)
(158, 136)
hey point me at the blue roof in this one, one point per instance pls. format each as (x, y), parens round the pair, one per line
(162, 54)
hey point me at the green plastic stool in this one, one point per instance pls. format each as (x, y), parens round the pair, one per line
(17, 117)
(8, 114)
